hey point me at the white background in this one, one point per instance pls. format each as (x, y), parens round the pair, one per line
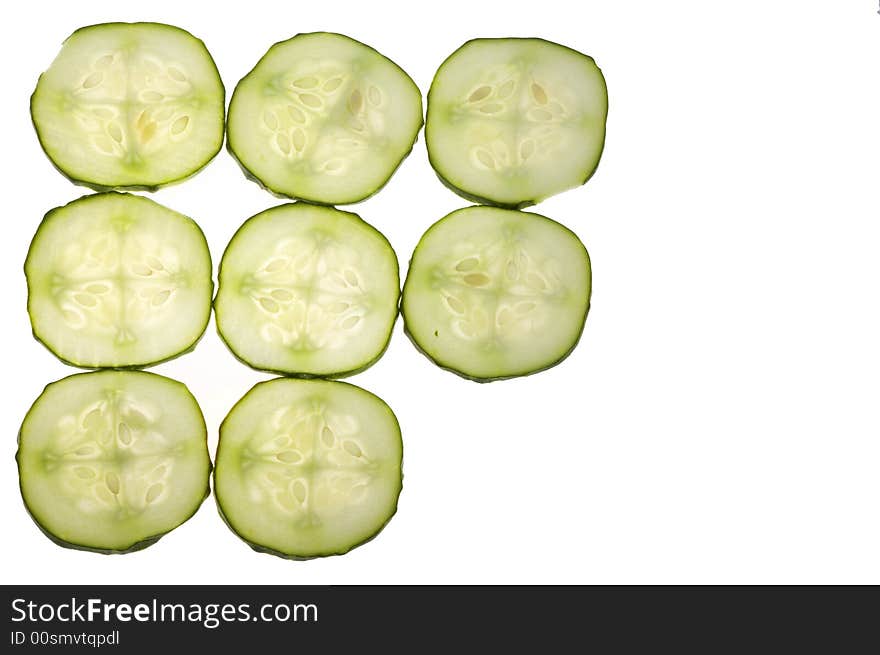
(718, 422)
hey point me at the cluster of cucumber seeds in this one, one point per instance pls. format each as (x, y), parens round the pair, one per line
(103, 435)
(287, 309)
(105, 98)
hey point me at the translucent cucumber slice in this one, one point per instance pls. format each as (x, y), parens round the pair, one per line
(130, 105)
(307, 468)
(324, 118)
(116, 280)
(110, 461)
(308, 291)
(494, 293)
(513, 121)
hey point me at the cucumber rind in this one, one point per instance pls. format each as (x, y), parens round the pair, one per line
(301, 557)
(312, 201)
(483, 380)
(336, 375)
(281, 195)
(486, 379)
(150, 188)
(300, 374)
(118, 367)
(485, 200)
(140, 544)
(296, 557)
(122, 367)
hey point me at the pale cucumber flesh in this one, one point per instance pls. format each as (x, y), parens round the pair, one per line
(308, 468)
(307, 290)
(494, 293)
(110, 461)
(513, 121)
(323, 118)
(130, 105)
(116, 280)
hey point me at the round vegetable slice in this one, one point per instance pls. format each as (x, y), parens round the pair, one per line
(117, 280)
(130, 105)
(324, 118)
(307, 291)
(513, 121)
(495, 293)
(308, 468)
(112, 460)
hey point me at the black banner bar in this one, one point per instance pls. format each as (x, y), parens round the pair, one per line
(421, 618)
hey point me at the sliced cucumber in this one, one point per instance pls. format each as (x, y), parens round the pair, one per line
(495, 293)
(307, 468)
(308, 291)
(118, 280)
(324, 118)
(110, 461)
(130, 105)
(513, 121)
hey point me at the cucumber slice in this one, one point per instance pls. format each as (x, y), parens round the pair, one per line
(324, 118)
(110, 461)
(494, 293)
(513, 121)
(130, 105)
(308, 468)
(307, 291)
(116, 280)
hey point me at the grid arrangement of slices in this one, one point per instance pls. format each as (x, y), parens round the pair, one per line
(307, 466)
